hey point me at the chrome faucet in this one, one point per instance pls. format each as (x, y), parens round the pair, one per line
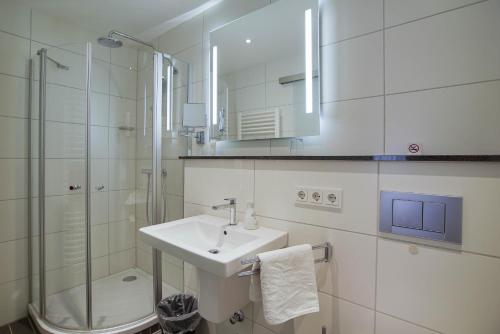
(232, 210)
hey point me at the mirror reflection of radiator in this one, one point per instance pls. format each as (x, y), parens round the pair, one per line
(259, 124)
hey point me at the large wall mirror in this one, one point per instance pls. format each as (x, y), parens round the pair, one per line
(265, 74)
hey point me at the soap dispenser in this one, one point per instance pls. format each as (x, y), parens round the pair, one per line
(250, 222)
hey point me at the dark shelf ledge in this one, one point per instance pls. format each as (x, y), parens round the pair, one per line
(449, 158)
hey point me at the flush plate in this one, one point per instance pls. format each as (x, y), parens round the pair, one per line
(422, 216)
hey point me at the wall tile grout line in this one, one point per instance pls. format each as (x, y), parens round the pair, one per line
(416, 242)
(435, 14)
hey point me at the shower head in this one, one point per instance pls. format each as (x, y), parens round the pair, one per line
(110, 42)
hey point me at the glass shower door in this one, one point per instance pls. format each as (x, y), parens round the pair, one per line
(58, 185)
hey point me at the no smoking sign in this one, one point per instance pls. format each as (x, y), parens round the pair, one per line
(414, 149)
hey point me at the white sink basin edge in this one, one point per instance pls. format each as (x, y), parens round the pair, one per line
(190, 239)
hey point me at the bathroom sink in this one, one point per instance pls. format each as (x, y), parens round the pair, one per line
(209, 244)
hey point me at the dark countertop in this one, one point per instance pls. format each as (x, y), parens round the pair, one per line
(438, 158)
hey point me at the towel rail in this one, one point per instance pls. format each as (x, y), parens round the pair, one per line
(326, 258)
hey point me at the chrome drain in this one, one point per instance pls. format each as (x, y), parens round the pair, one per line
(213, 251)
(130, 278)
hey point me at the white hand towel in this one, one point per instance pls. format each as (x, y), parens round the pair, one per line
(288, 283)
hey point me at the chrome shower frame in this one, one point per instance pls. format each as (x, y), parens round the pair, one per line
(39, 314)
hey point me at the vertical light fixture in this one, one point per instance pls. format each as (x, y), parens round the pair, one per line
(215, 89)
(309, 64)
(170, 71)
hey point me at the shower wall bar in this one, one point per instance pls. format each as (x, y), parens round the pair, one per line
(88, 207)
(41, 176)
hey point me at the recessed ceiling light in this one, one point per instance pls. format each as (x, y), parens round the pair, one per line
(248, 41)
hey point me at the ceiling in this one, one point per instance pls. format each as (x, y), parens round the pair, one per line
(130, 16)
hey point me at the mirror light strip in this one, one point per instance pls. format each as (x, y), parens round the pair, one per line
(215, 75)
(309, 65)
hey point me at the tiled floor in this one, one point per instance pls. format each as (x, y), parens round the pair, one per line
(24, 326)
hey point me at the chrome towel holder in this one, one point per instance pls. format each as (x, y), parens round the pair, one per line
(327, 246)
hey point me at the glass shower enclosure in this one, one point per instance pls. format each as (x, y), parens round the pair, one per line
(96, 176)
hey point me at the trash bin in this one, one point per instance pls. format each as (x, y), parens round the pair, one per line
(178, 314)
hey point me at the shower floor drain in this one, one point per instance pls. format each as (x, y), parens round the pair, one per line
(129, 278)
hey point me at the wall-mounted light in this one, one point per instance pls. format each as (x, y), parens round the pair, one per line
(248, 41)
(170, 70)
(309, 61)
(215, 89)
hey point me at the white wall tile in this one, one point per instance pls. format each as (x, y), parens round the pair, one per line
(193, 56)
(121, 144)
(349, 128)
(448, 291)
(13, 219)
(55, 31)
(73, 77)
(13, 183)
(61, 173)
(476, 183)
(15, 18)
(276, 181)
(123, 82)
(100, 76)
(351, 273)
(209, 182)
(13, 260)
(122, 174)
(175, 176)
(14, 296)
(121, 236)
(122, 260)
(122, 112)
(455, 120)
(64, 140)
(99, 170)
(343, 19)
(353, 68)
(124, 56)
(99, 208)
(336, 315)
(14, 55)
(64, 213)
(99, 109)
(14, 96)
(400, 11)
(99, 142)
(250, 98)
(13, 137)
(457, 47)
(251, 147)
(100, 240)
(389, 325)
(64, 104)
(121, 205)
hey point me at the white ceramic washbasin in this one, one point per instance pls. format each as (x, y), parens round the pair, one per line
(221, 291)
(192, 238)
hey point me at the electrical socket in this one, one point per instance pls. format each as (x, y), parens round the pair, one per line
(301, 195)
(333, 198)
(316, 196)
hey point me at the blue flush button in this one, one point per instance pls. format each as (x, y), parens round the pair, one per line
(407, 214)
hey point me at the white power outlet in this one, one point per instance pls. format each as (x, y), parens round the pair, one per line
(333, 198)
(316, 196)
(301, 195)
